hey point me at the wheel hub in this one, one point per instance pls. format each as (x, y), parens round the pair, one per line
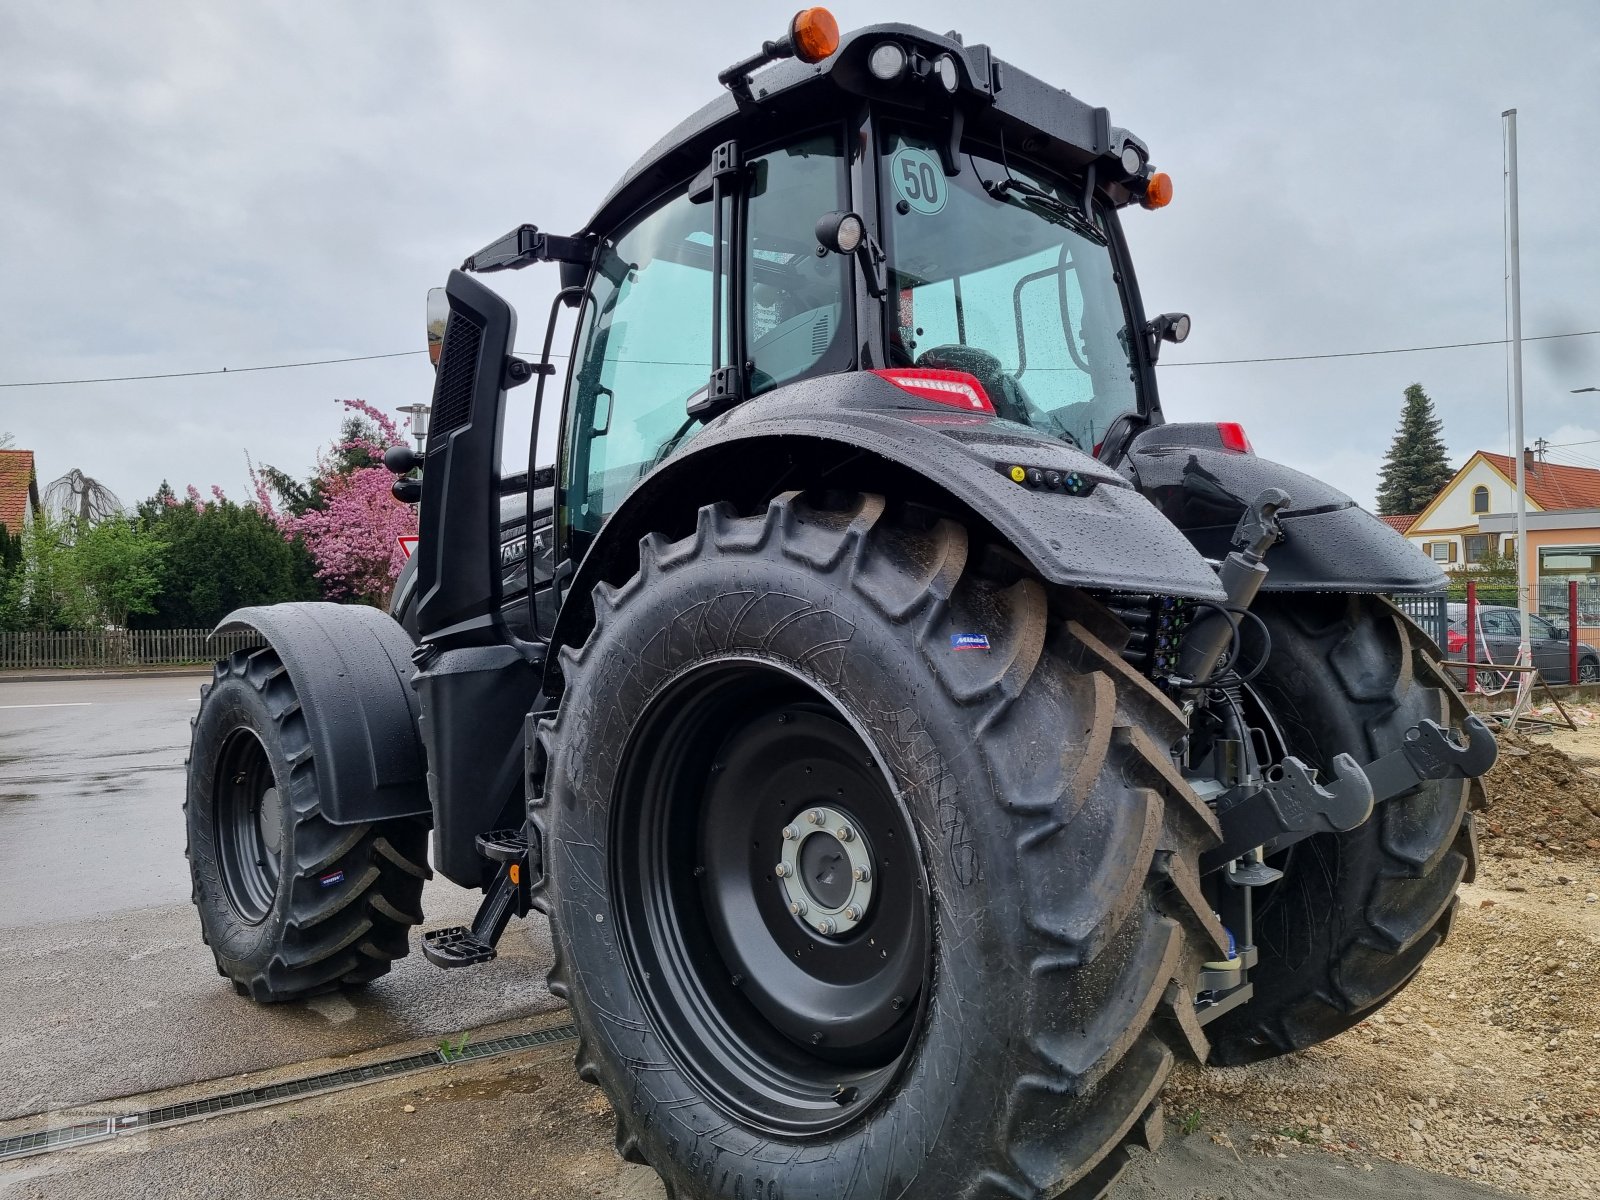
(825, 874)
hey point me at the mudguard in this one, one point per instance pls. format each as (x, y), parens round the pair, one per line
(1101, 534)
(1330, 544)
(351, 668)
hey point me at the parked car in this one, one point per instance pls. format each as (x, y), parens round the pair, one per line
(1499, 635)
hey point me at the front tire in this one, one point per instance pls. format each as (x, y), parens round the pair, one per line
(996, 1018)
(1357, 912)
(290, 904)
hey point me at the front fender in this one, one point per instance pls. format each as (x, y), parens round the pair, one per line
(1329, 544)
(836, 428)
(351, 670)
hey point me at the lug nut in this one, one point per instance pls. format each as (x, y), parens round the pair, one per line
(825, 925)
(846, 834)
(852, 913)
(781, 870)
(797, 908)
(815, 816)
(790, 832)
(862, 875)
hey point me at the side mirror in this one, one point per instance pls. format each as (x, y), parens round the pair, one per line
(438, 313)
(1562, 635)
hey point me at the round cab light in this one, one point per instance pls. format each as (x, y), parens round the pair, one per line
(887, 61)
(1132, 160)
(815, 34)
(841, 233)
(849, 233)
(1158, 192)
(949, 74)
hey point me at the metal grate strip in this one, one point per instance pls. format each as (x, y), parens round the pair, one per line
(44, 1141)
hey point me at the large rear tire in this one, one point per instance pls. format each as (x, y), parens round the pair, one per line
(994, 1017)
(290, 904)
(1356, 913)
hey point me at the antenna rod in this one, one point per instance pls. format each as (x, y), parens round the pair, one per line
(1524, 577)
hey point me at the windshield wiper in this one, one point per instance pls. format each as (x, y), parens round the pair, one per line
(1037, 200)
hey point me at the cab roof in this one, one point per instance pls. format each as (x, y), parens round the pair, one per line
(994, 100)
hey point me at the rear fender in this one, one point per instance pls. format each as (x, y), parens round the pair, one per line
(1329, 544)
(857, 431)
(351, 669)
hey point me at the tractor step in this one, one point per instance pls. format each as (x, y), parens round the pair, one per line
(504, 846)
(508, 896)
(457, 946)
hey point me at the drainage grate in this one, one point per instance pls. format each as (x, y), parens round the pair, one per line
(82, 1133)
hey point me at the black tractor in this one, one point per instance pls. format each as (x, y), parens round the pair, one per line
(913, 739)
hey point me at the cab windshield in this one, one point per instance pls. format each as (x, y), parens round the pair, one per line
(997, 272)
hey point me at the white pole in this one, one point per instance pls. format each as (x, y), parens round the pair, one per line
(1524, 576)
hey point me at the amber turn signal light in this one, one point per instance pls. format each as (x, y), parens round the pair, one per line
(814, 33)
(1158, 192)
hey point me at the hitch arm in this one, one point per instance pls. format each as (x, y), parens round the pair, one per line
(1295, 806)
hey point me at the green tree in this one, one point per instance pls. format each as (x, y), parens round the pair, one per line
(1416, 468)
(39, 591)
(217, 557)
(116, 569)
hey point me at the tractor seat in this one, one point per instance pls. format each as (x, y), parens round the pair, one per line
(1004, 392)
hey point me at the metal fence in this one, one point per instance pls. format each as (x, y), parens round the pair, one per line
(1428, 610)
(118, 648)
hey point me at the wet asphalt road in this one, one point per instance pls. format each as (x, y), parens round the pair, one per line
(105, 987)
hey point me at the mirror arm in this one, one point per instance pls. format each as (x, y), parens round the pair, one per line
(525, 245)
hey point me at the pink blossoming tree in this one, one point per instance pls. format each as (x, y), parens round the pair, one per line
(349, 521)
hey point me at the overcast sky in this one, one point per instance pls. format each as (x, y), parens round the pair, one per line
(192, 186)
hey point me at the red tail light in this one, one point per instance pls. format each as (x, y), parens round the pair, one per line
(1455, 641)
(955, 388)
(1233, 437)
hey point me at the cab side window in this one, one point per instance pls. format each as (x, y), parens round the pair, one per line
(644, 350)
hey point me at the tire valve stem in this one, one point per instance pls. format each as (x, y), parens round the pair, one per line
(897, 1003)
(736, 980)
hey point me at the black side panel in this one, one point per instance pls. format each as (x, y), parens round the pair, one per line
(1330, 544)
(351, 667)
(475, 702)
(458, 547)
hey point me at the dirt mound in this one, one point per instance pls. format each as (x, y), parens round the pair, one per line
(1541, 800)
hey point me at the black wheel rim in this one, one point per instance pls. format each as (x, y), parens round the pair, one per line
(248, 825)
(785, 1027)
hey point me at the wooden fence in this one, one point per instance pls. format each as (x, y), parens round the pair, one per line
(118, 648)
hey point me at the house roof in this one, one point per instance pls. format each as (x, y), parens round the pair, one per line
(1552, 485)
(19, 489)
(1399, 523)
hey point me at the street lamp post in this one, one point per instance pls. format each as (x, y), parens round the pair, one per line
(419, 422)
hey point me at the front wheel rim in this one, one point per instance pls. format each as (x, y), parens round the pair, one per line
(248, 826)
(773, 908)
